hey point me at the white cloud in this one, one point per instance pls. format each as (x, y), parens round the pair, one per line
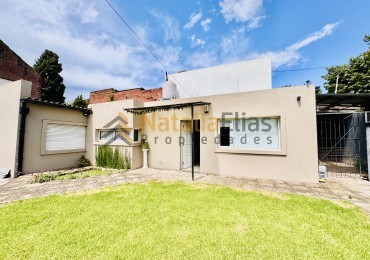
(233, 47)
(290, 55)
(91, 59)
(255, 22)
(89, 13)
(241, 10)
(170, 26)
(325, 31)
(193, 19)
(202, 59)
(205, 24)
(195, 42)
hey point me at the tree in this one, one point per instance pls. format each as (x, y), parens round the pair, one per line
(80, 102)
(49, 68)
(353, 77)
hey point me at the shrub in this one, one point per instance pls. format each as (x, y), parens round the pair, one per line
(144, 145)
(83, 161)
(111, 157)
(44, 177)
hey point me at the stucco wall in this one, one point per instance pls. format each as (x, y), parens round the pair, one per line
(9, 119)
(110, 115)
(34, 161)
(230, 78)
(297, 160)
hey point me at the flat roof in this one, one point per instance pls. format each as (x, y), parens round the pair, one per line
(41, 102)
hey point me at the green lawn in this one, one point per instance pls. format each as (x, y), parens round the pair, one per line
(176, 220)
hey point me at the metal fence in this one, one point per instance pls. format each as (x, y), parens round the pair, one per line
(342, 144)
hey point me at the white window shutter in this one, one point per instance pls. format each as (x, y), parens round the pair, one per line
(61, 137)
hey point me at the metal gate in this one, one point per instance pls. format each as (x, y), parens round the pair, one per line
(342, 144)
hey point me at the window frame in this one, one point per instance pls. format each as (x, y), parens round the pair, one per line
(230, 149)
(43, 137)
(107, 130)
(138, 135)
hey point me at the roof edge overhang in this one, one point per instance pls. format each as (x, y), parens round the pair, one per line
(151, 109)
(85, 111)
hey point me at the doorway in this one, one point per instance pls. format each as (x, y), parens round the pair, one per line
(186, 144)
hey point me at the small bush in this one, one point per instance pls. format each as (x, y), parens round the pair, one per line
(144, 145)
(44, 177)
(83, 161)
(111, 157)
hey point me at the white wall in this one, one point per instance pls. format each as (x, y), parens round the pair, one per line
(231, 78)
(9, 120)
(4, 81)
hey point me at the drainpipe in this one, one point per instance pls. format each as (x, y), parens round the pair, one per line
(23, 110)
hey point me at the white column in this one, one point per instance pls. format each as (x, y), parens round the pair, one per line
(368, 150)
(145, 158)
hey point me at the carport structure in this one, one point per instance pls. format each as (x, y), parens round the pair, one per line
(343, 134)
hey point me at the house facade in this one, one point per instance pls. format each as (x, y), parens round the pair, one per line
(267, 134)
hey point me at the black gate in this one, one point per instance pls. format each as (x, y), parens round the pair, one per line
(342, 144)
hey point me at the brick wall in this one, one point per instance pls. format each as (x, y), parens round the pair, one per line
(13, 68)
(111, 94)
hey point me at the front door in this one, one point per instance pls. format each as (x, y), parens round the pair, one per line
(186, 144)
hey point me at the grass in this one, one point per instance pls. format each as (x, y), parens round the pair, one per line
(176, 220)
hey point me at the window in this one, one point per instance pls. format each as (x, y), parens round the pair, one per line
(63, 137)
(225, 130)
(250, 133)
(136, 135)
(107, 135)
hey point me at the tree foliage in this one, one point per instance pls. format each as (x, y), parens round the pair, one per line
(353, 77)
(49, 68)
(80, 102)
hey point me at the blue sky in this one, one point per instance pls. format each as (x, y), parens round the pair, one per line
(98, 51)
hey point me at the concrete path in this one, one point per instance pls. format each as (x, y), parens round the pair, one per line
(354, 190)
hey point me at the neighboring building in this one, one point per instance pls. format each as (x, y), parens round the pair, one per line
(13, 68)
(107, 95)
(230, 78)
(38, 135)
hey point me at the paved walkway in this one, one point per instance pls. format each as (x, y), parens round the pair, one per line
(355, 190)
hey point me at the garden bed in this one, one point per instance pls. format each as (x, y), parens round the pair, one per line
(77, 173)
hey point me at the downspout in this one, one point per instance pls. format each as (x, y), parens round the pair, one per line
(23, 110)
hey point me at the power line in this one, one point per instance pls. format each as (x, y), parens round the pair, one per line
(143, 43)
(313, 68)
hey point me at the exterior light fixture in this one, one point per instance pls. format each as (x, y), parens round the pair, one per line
(206, 109)
(299, 98)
